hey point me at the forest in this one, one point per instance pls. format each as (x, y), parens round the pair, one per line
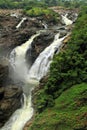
(10, 4)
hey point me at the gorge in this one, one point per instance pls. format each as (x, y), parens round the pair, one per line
(30, 73)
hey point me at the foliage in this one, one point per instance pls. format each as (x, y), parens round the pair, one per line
(35, 3)
(38, 11)
(69, 67)
(68, 110)
(46, 13)
(6, 4)
(68, 113)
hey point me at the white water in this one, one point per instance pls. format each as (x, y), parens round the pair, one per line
(37, 71)
(20, 116)
(18, 61)
(66, 20)
(42, 63)
(20, 23)
(14, 15)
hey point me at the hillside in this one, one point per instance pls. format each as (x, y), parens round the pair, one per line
(61, 102)
(68, 113)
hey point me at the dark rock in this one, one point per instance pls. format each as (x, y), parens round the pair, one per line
(10, 102)
(4, 70)
(11, 37)
(1, 92)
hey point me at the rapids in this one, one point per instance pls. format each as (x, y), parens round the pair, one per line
(43, 61)
(66, 20)
(20, 23)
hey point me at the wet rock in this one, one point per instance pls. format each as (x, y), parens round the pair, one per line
(4, 70)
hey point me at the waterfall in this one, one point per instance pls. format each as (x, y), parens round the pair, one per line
(39, 68)
(66, 20)
(19, 25)
(22, 115)
(42, 63)
(18, 61)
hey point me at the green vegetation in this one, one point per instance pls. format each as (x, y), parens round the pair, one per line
(69, 67)
(31, 3)
(68, 113)
(38, 11)
(46, 13)
(9, 4)
(61, 102)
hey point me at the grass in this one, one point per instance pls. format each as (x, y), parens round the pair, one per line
(69, 112)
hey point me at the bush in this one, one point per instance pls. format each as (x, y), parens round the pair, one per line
(45, 13)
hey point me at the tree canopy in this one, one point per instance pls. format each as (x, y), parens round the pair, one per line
(23, 3)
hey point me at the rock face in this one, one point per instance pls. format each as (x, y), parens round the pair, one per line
(9, 101)
(10, 94)
(10, 36)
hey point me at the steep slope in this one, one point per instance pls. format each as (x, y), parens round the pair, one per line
(68, 113)
(60, 101)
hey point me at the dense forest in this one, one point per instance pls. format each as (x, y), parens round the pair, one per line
(61, 102)
(31, 3)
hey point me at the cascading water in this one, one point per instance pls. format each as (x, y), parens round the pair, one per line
(22, 115)
(43, 61)
(66, 20)
(37, 71)
(18, 62)
(23, 19)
